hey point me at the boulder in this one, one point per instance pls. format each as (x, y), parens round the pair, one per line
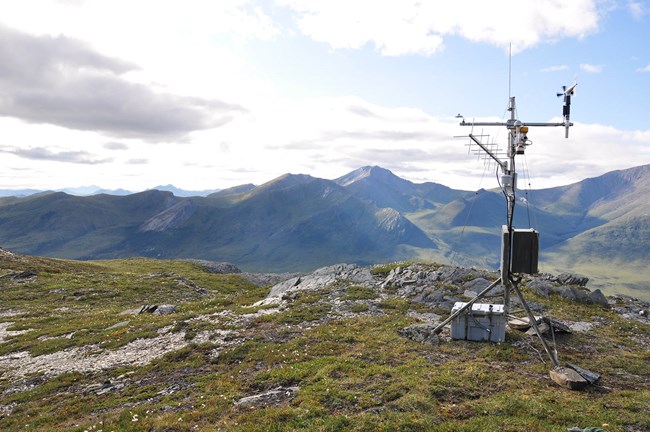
(598, 298)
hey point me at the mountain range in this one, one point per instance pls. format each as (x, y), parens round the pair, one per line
(96, 190)
(598, 227)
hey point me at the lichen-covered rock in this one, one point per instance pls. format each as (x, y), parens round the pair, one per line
(570, 279)
(420, 333)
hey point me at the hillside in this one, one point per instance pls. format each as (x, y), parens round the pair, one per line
(298, 223)
(295, 222)
(144, 344)
(612, 242)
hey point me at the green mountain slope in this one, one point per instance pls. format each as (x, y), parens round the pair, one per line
(291, 223)
(616, 252)
(298, 222)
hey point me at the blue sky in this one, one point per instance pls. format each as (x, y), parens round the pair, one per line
(208, 95)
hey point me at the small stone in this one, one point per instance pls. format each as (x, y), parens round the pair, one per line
(470, 294)
(568, 378)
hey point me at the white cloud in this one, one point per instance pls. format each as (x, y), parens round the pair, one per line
(556, 68)
(195, 49)
(591, 150)
(169, 41)
(589, 68)
(113, 145)
(399, 27)
(636, 9)
(644, 69)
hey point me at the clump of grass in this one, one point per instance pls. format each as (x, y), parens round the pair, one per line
(384, 269)
(359, 308)
(356, 292)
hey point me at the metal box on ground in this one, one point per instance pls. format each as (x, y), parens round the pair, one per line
(481, 322)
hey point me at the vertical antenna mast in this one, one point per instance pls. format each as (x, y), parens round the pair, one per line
(510, 71)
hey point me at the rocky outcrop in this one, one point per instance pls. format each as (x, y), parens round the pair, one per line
(170, 218)
(568, 286)
(323, 277)
(216, 267)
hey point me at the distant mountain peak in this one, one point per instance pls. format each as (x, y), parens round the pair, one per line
(286, 180)
(366, 172)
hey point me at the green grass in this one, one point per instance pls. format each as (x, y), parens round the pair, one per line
(353, 374)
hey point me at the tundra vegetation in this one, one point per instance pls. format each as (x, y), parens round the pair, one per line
(329, 358)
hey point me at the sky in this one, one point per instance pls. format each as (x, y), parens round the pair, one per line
(204, 94)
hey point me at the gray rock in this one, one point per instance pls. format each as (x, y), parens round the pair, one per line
(478, 284)
(324, 277)
(158, 309)
(420, 333)
(581, 326)
(571, 293)
(430, 296)
(411, 291)
(599, 298)
(541, 286)
(568, 378)
(569, 279)
(165, 309)
(118, 325)
(470, 294)
(272, 396)
(216, 267)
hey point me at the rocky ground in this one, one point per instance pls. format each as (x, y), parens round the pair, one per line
(439, 289)
(339, 292)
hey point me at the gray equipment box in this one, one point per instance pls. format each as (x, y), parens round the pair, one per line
(481, 322)
(525, 251)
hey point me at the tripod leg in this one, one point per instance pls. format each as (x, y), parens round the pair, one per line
(531, 318)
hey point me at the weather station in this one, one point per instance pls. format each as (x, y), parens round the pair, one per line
(519, 247)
